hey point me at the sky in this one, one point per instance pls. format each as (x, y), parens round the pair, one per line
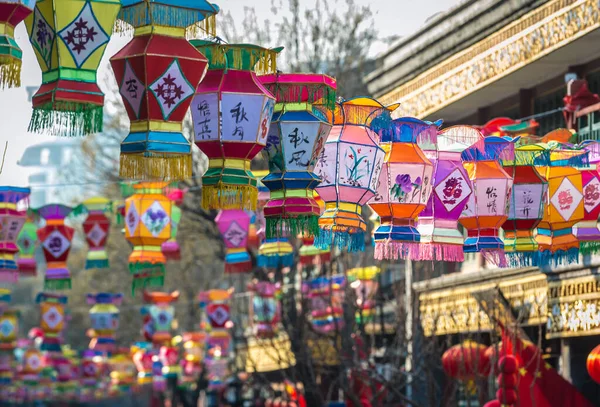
(393, 17)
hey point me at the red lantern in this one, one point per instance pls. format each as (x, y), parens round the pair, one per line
(56, 238)
(466, 361)
(96, 227)
(593, 364)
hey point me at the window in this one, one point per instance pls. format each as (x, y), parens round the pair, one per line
(548, 103)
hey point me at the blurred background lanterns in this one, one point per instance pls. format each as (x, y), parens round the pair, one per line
(12, 219)
(231, 112)
(466, 362)
(349, 167)
(26, 243)
(96, 227)
(161, 312)
(300, 125)
(233, 225)
(364, 282)
(327, 296)
(105, 320)
(266, 310)
(52, 320)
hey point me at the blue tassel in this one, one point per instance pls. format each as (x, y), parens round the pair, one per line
(275, 261)
(522, 259)
(97, 264)
(558, 258)
(351, 242)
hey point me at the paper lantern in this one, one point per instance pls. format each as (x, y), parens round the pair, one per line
(91, 373)
(275, 253)
(216, 305)
(9, 327)
(403, 188)
(105, 320)
(11, 222)
(593, 364)
(11, 14)
(55, 238)
(233, 226)
(69, 39)
(193, 354)
(96, 227)
(326, 295)
(266, 311)
(487, 207)
(161, 312)
(52, 313)
(231, 112)
(157, 73)
(171, 248)
(364, 282)
(299, 127)
(466, 361)
(526, 205)
(308, 252)
(122, 372)
(564, 207)
(587, 231)
(349, 167)
(438, 222)
(169, 356)
(147, 226)
(142, 358)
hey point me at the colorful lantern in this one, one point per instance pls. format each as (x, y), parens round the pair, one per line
(466, 361)
(55, 238)
(52, 311)
(31, 367)
(96, 227)
(309, 253)
(122, 372)
(526, 205)
(438, 223)
(593, 364)
(169, 357)
(233, 225)
(265, 308)
(299, 127)
(11, 14)
(231, 112)
(171, 248)
(12, 221)
(147, 226)
(364, 282)
(403, 188)
(161, 313)
(564, 206)
(327, 297)
(487, 207)
(275, 253)
(157, 72)
(587, 231)
(91, 373)
(193, 352)
(216, 304)
(105, 320)
(69, 39)
(9, 328)
(349, 168)
(142, 358)
(26, 243)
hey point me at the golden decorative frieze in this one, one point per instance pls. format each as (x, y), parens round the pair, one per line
(531, 37)
(457, 311)
(574, 307)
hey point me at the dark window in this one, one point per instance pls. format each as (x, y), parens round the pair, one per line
(546, 104)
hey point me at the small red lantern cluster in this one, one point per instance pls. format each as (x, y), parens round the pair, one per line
(507, 380)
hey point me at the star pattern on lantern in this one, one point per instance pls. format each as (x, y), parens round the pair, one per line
(132, 89)
(155, 218)
(96, 234)
(171, 88)
(42, 36)
(132, 219)
(453, 190)
(52, 317)
(56, 244)
(83, 36)
(566, 198)
(591, 194)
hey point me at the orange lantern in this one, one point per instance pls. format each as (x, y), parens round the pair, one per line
(593, 364)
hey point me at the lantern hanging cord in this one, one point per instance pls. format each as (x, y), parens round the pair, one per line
(542, 114)
(4, 157)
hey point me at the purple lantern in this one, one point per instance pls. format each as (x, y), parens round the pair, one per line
(12, 221)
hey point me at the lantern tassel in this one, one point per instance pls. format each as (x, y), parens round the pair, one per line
(147, 281)
(71, 119)
(242, 267)
(440, 252)
(123, 29)
(57, 284)
(96, 259)
(495, 257)
(10, 72)
(155, 166)
(589, 247)
(302, 224)
(522, 259)
(228, 196)
(274, 261)
(351, 242)
(559, 257)
(389, 249)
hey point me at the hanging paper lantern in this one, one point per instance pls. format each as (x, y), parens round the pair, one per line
(526, 205)
(147, 226)
(122, 372)
(349, 168)
(587, 231)
(266, 309)
(233, 225)
(52, 312)
(171, 248)
(9, 328)
(69, 39)
(26, 242)
(142, 358)
(438, 223)
(466, 361)
(11, 14)
(231, 112)
(11, 222)
(216, 304)
(403, 188)
(327, 296)
(91, 373)
(593, 364)
(105, 320)
(169, 357)
(275, 253)
(96, 227)
(56, 238)
(299, 127)
(364, 282)
(487, 207)
(157, 72)
(161, 313)
(193, 348)
(564, 206)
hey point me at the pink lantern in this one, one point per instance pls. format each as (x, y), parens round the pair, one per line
(349, 168)
(587, 231)
(169, 357)
(438, 223)
(265, 308)
(233, 225)
(12, 221)
(142, 358)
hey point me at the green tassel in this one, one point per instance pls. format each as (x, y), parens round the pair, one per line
(144, 282)
(58, 284)
(589, 247)
(307, 225)
(66, 119)
(136, 268)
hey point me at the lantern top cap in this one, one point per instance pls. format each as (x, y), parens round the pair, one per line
(244, 57)
(167, 13)
(311, 88)
(593, 149)
(363, 111)
(93, 204)
(104, 298)
(54, 211)
(530, 154)
(408, 130)
(559, 136)
(491, 148)
(156, 297)
(51, 297)
(458, 138)
(141, 186)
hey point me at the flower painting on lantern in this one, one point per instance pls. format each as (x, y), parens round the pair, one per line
(155, 218)
(591, 194)
(566, 199)
(357, 164)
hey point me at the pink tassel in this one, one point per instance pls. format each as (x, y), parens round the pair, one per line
(495, 257)
(390, 249)
(440, 252)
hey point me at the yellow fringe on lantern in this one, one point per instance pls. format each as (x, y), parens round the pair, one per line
(10, 72)
(123, 29)
(227, 196)
(267, 63)
(146, 167)
(206, 27)
(244, 56)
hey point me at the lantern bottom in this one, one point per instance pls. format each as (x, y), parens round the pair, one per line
(522, 259)
(96, 259)
(66, 118)
(171, 250)
(352, 240)
(558, 257)
(57, 283)
(9, 276)
(589, 247)
(440, 252)
(277, 226)
(229, 196)
(150, 166)
(10, 64)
